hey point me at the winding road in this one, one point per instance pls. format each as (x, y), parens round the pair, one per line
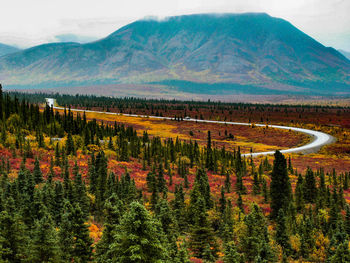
(319, 139)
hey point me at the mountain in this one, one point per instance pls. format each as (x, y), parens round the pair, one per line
(226, 53)
(74, 38)
(345, 53)
(6, 49)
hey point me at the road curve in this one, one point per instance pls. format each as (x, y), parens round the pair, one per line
(319, 139)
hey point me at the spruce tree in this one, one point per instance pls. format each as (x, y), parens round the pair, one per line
(299, 193)
(75, 241)
(82, 247)
(178, 206)
(137, 239)
(347, 219)
(256, 184)
(310, 190)
(341, 255)
(12, 237)
(204, 188)
(161, 183)
(240, 202)
(280, 188)
(202, 235)
(112, 213)
(166, 217)
(281, 232)
(43, 246)
(265, 190)
(222, 201)
(231, 254)
(228, 182)
(79, 191)
(70, 148)
(38, 176)
(255, 241)
(209, 158)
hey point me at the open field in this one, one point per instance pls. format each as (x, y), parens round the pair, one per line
(249, 138)
(151, 91)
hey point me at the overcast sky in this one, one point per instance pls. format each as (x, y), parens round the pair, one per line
(26, 23)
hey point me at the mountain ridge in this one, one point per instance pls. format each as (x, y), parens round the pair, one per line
(345, 53)
(246, 49)
(7, 49)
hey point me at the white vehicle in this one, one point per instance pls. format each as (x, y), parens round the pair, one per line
(50, 102)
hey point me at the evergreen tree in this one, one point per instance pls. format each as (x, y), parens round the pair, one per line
(44, 243)
(255, 241)
(240, 202)
(161, 183)
(182, 255)
(202, 235)
(74, 235)
(336, 248)
(38, 176)
(228, 182)
(57, 155)
(341, 255)
(80, 196)
(281, 232)
(265, 190)
(179, 207)
(280, 188)
(240, 188)
(290, 167)
(12, 237)
(82, 248)
(299, 193)
(112, 213)
(70, 148)
(222, 201)
(92, 174)
(256, 184)
(165, 216)
(209, 158)
(231, 254)
(204, 188)
(347, 219)
(137, 238)
(124, 155)
(310, 190)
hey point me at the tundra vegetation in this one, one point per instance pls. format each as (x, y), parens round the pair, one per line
(84, 188)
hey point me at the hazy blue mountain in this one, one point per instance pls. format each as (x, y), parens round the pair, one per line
(253, 50)
(345, 53)
(6, 49)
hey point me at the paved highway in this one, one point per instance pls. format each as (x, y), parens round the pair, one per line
(318, 140)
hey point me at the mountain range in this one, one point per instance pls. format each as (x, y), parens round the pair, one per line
(227, 53)
(6, 49)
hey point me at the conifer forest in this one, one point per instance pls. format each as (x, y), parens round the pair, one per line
(95, 187)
